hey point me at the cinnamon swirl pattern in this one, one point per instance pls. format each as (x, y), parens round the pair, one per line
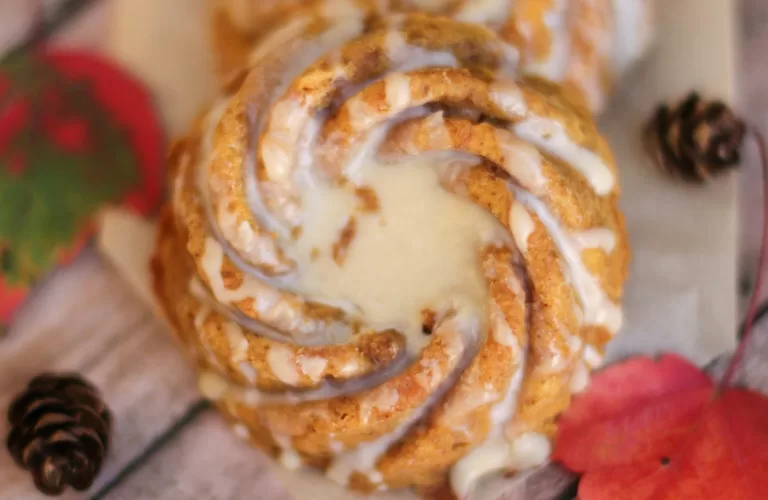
(390, 257)
(585, 45)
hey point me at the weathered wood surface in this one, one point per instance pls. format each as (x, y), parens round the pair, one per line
(168, 446)
(205, 461)
(87, 320)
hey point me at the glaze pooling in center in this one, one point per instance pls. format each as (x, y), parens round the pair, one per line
(405, 257)
(419, 250)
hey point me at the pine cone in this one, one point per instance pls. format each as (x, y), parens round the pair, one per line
(59, 431)
(695, 139)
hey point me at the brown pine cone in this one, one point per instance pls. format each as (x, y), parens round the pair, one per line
(695, 139)
(59, 432)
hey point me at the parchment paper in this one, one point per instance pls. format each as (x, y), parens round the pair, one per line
(681, 295)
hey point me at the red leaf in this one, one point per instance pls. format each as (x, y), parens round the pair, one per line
(77, 111)
(10, 300)
(13, 117)
(130, 104)
(650, 429)
(70, 134)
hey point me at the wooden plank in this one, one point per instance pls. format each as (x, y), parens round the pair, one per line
(73, 318)
(206, 461)
(86, 319)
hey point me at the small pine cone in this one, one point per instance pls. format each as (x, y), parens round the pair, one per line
(695, 139)
(59, 432)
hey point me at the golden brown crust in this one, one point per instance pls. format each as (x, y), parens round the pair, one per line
(269, 356)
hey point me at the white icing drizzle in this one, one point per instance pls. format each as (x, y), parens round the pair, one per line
(634, 23)
(199, 323)
(363, 458)
(238, 344)
(489, 12)
(201, 316)
(431, 375)
(456, 414)
(522, 161)
(349, 367)
(557, 360)
(495, 453)
(360, 116)
(439, 137)
(223, 223)
(282, 363)
(289, 457)
(384, 399)
(514, 285)
(278, 147)
(267, 302)
(550, 135)
(599, 310)
(580, 377)
(510, 64)
(409, 57)
(398, 92)
(530, 450)
(211, 263)
(289, 118)
(241, 431)
(574, 343)
(395, 44)
(555, 65)
(500, 330)
(506, 94)
(491, 456)
(312, 366)
(521, 224)
(212, 386)
(248, 371)
(592, 357)
(336, 446)
(503, 412)
(602, 238)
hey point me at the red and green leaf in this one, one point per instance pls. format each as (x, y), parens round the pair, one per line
(76, 133)
(661, 429)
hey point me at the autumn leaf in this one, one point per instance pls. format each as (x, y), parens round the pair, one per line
(658, 429)
(76, 133)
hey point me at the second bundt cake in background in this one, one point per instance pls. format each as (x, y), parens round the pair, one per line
(585, 45)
